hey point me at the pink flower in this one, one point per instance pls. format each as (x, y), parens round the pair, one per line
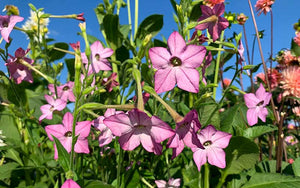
(53, 105)
(226, 82)
(70, 184)
(18, 71)
(110, 82)
(297, 38)
(241, 52)
(290, 81)
(64, 134)
(64, 92)
(137, 128)
(106, 135)
(291, 126)
(218, 23)
(257, 105)
(80, 17)
(185, 134)
(290, 161)
(208, 61)
(296, 111)
(290, 140)
(213, 142)
(7, 24)
(172, 183)
(263, 6)
(177, 65)
(75, 46)
(99, 57)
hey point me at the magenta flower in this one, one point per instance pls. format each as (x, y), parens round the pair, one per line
(185, 134)
(137, 128)
(110, 82)
(257, 105)
(99, 57)
(177, 65)
(172, 183)
(63, 132)
(53, 105)
(241, 52)
(64, 92)
(18, 71)
(7, 24)
(218, 23)
(80, 17)
(213, 142)
(70, 184)
(106, 135)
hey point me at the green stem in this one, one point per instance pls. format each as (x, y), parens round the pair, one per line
(115, 70)
(217, 66)
(222, 179)
(120, 161)
(129, 21)
(147, 183)
(206, 175)
(136, 15)
(73, 135)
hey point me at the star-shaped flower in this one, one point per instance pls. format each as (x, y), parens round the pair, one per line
(99, 57)
(257, 105)
(217, 23)
(70, 184)
(172, 183)
(213, 142)
(53, 105)
(7, 24)
(64, 92)
(177, 65)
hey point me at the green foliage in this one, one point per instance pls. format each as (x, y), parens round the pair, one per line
(111, 28)
(63, 155)
(150, 25)
(55, 54)
(256, 131)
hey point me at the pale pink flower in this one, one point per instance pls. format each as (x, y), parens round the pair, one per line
(291, 126)
(137, 128)
(286, 58)
(263, 6)
(64, 92)
(260, 77)
(70, 184)
(185, 134)
(18, 71)
(290, 81)
(296, 111)
(106, 135)
(218, 23)
(212, 3)
(172, 183)
(7, 24)
(290, 140)
(214, 142)
(110, 82)
(63, 132)
(257, 105)
(177, 65)
(99, 57)
(53, 105)
(297, 39)
(241, 50)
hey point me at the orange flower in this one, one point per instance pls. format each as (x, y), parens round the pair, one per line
(290, 82)
(212, 3)
(263, 6)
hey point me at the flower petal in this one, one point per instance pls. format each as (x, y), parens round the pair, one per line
(165, 80)
(188, 79)
(83, 128)
(251, 100)
(176, 44)
(216, 157)
(252, 116)
(160, 130)
(263, 112)
(193, 56)
(159, 57)
(220, 139)
(118, 124)
(55, 130)
(129, 141)
(199, 157)
(68, 121)
(82, 146)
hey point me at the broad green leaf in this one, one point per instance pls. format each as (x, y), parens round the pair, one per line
(264, 180)
(241, 154)
(150, 25)
(9, 128)
(233, 120)
(256, 131)
(111, 28)
(32, 7)
(208, 112)
(96, 184)
(269, 166)
(63, 155)
(6, 170)
(14, 155)
(195, 13)
(71, 68)
(55, 54)
(296, 166)
(190, 175)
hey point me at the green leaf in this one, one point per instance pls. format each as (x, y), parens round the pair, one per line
(150, 25)
(55, 54)
(9, 128)
(246, 67)
(63, 155)
(295, 48)
(190, 175)
(96, 184)
(111, 28)
(195, 13)
(14, 155)
(296, 166)
(256, 131)
(71, 68)
(233, 120)
(6, 170)
(269, 166)
(241, 154)
(32, 7)
(91, 39)
(263, 180)
(208, 112)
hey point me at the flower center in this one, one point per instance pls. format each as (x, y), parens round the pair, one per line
(4, 24)
(52, 108)
(260, 103)
(97, 56)
(68, 134)
(207, 143)
(175, 61)
(66, 88)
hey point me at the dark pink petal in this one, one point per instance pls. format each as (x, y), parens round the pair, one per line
(193, 56)
(219, 9)
(103, 64)
(68, 121)
(70, 184)
(105, 137)
(138, 117)
(263, 112)
(160, 57)
(82, 146)
(164, 80)
(173, 142)
(261, 93)
(83, 128)
(250, 100)
(129, 141)
(147, 142)
(214, 31)
(203, 25)
(105, 53)
(220, 139)
(178, 150)
(222, 24)
(176, 44)
(252, 116)
(199, 157)
(216, 157)
(206, 10)
(160, 130)
(98, 123)
(267, 99)
(57, 131)
(118, 124)
(188, 79)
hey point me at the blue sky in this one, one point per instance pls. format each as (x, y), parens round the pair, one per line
(286, 13)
